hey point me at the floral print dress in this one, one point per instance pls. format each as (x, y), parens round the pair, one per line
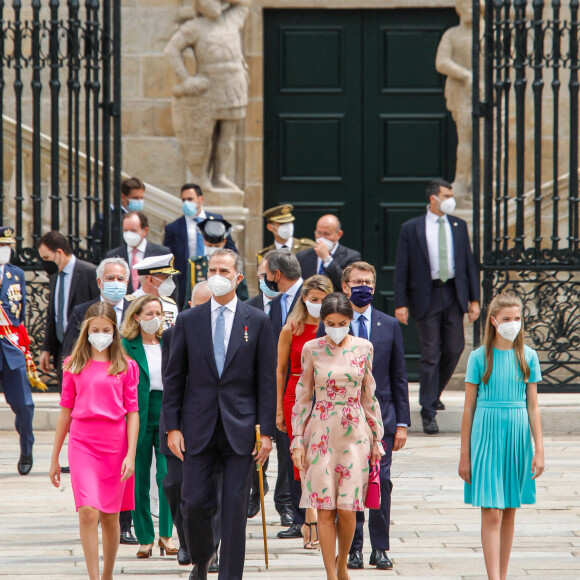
(337, 419)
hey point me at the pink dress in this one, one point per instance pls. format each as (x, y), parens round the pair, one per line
(98, 434)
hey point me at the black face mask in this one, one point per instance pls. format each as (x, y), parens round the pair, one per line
(271, 285)
(50, 267)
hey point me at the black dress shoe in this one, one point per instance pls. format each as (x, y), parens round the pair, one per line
(183, 558)
(355, 560)
(286, 518)
(200, 571)
(294, 531)
(430, 426)
(128, 538)
(25, 464)
(214, 567)
(380, 559)
(439, 406)
(253, 506)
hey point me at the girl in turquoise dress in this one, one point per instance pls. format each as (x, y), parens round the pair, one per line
(497, 461)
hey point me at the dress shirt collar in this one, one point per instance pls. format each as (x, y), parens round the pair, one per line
(289, 243)
(333, 251)
(202, 215)
(230, 305)
(434, 218)
(141, 247)
(69, 268)
(117, 306)
(294, 288)
(367, 314)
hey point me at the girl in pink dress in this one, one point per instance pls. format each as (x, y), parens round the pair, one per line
(99, 406)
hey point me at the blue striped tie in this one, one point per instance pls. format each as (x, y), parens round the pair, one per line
(219, 347)
(362, 327)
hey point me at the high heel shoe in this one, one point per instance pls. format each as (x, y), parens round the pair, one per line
(163, 547)
(311, 544)
(145, 551)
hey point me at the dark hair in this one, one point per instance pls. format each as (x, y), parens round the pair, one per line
(336, 303)
(434, 187)
(128, 185)
(363, 266)
(142, 218)
(194, 186)
(285, 261)
(55, 241)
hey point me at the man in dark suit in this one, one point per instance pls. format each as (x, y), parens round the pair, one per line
(283, 276)
(183, 238)
(136, 247)
(71, 282)
(327, 256)
(220, 381)
(437, 282)
(392, 391)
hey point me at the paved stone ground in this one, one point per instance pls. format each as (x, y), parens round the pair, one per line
(433, 533)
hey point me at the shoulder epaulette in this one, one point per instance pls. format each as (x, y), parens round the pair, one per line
(129, 297)
(167, 299)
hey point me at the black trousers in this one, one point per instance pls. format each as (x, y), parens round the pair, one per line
(125, 520)
(379, 520)
(442, 342)
(199, 504)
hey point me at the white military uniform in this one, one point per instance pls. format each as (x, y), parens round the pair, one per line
(170, 310)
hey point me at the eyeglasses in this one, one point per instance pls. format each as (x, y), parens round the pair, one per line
(369, 283)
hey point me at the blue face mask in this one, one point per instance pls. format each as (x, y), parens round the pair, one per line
(189, 208)
(114, 291)
(361, 295)
(136, 205)
(269, 293)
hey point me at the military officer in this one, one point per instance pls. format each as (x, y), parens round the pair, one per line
(13, 375)
(156, 277)
(280, 221)
(215, 232)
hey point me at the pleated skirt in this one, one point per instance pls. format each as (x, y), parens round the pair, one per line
(501, 457)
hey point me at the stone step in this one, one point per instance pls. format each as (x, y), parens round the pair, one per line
(560, 411)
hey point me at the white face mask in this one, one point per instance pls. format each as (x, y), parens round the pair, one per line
(509, 330)
(166, 287)
(132, 239)
(329, 243)
(220, 285)
(101, 340)
(448, 205)
(285, 231)
(5, 252)
(313, 309)
(150, 326)
(210, 250)
(337, 333)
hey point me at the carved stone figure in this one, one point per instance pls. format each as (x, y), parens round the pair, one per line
(454, 60)
(208, 106)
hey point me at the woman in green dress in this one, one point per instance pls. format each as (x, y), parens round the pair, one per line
(141, 331)
(497, 461)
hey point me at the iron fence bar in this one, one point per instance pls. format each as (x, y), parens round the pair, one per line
(95, 90)
(556, 56)
(87, 50)
(116, 113)
(507, 47)
(574, 86)
(106, 119)
(18, 86)
(36, 86)
(3, 62)
(55, 197)
(498, 89)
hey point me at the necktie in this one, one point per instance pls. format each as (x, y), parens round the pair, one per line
(219, 347)
(443, 266)
(199, 244)
(321, 270)
(284, 247)
(60, 308)
(284, 306)
(134, 272)
(362, 327)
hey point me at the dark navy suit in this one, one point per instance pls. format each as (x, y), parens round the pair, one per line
(12, 362)
(217, 416)
(438, 309)
(176, 240)
(392, 392)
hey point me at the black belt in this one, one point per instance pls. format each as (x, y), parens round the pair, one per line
(441, 283)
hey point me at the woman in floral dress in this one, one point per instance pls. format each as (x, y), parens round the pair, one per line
(336, 438)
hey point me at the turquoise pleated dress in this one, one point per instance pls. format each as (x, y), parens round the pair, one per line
(501, 444)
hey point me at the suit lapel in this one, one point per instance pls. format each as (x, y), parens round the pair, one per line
(311, 263)
(296, 297)
(139, 354)
(237, 334)
(453, 223)
(182, 230)
(73, 286)
(207, 340)
(422, 235)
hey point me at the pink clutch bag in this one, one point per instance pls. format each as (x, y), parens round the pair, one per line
(373, 500)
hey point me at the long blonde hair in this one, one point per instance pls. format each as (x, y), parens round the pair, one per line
(501, 301)
(130, 329)
(81, 354)
(299, 314)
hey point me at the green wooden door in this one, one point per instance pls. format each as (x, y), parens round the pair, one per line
(356, 125)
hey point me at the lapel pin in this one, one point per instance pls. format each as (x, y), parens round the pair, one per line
(8, 275)
(378, 323)
(246, 333)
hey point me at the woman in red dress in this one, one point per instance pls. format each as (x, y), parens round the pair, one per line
(301, 326)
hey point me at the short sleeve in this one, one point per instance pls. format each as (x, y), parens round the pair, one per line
(474, 369)
(130, 387)
(69, 392)
(535, 372)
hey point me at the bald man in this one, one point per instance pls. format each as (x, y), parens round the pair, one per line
(328, 256)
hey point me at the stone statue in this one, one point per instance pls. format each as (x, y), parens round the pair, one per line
(208, 106)
(454, 60)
